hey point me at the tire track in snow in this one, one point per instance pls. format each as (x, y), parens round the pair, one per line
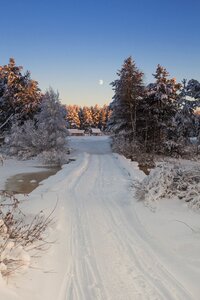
(82, 280)
(152, 275)
(107, 255)
(67, 291)
(127, 273)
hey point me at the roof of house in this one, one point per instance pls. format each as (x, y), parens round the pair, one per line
(96, 130)
(73, 130)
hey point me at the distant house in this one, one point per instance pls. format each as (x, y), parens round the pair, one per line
(96, 131)
(76, 132)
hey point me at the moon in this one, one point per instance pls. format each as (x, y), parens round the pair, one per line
(100, 81)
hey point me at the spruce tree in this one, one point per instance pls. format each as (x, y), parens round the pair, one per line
(104, 116)
(160, 108)
(73, 120)
(87, 117)
(186, 118)
(19, 94)
(128, 90)
(95, 115)
(193, 89)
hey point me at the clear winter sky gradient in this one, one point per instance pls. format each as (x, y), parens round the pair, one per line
(71, 45)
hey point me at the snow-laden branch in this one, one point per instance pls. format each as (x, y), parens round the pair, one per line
(2, 125)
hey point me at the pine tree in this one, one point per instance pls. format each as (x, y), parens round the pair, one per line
(81, 118)
(95, 115)
(128, 92)
(186, 118)
(19, 94)
(87, 117)
(193, 89)
(73, 120)
(104, 116)
(159, 110)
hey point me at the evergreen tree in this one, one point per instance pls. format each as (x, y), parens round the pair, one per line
(19, 94)
(87, 117)
(159, 110)
(73, 120)
(95, 115)
(186, 119)
(128, 92)
(104, 116)
(193, 89)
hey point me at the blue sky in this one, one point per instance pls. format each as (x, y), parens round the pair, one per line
(70, 45)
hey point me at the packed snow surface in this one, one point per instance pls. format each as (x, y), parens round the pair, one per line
(108, 246)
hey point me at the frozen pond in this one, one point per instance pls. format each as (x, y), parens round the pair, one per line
(25, 183)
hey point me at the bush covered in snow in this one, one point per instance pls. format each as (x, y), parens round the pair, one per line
(130, 149)
(168, 180)
(18, 235)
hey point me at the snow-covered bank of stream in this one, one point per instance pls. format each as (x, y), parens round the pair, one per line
(109, 245)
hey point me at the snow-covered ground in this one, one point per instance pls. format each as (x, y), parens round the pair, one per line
(107, 244)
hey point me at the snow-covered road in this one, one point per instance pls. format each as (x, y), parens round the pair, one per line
(104, 250)
(107, 253)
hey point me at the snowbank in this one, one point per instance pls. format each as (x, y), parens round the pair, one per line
(178, 180)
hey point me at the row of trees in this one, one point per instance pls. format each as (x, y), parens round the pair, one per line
(157, 118)
(34, 123)
(86, 117)
(20, 99)
(43, 136)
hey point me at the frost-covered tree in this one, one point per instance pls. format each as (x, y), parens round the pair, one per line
(193, 89)
(51, 125)
(186, 119)
(104, 116)
(96, 112)
(128, 90)
(19, 94)
(45, 136)
(159, 110)
(80, 115)
(22, 140)
(87, 117)
(72, 117)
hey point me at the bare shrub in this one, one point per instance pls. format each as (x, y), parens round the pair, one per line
(54, 157)
(18, 234)
(122, 145)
